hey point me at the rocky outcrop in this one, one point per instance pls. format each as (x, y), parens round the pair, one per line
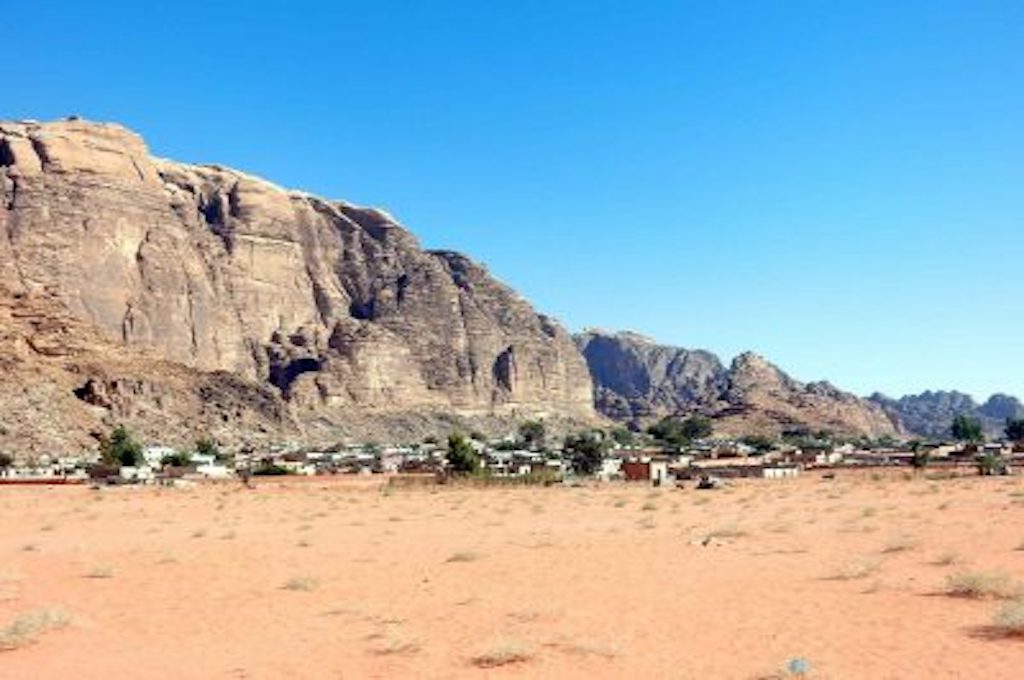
(931, 413)
(636, 379)
(328, 311)
(762, 398)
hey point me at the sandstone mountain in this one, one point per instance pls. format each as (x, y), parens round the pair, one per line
(931, 414)
(182, 299)
(636, 379)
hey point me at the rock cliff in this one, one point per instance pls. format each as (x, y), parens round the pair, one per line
(931, 413)
(306, 316)
(636, 379)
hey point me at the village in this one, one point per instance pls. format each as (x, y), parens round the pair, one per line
(656, 457)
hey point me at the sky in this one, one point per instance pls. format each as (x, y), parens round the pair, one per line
(838, 186)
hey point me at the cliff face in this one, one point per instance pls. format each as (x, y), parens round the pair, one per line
(634, 377)
(931, 414)
(328, 309)
(637, 379)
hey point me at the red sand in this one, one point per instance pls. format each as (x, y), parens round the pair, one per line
(336, 579)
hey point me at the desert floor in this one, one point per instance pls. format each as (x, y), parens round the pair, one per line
(345, 579)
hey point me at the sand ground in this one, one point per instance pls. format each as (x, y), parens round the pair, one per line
(339, 579)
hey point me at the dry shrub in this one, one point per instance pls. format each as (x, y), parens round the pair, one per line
(899, 544)
(946, 558)
(1009, 620)
(503, 653)
(27, 628)
(301, 583)
(860, 567)
(981, 584)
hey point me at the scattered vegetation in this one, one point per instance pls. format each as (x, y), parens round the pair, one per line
(301, 583)
(899, 544)
(946, 558)
(392, 643)
(27, 628)
(503, 653)
(857, 568)
(1009, 619)
(100, 572)
(980, 584)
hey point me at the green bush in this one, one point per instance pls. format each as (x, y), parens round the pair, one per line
(966, 428)
(120, 449)
(176, 459)
(462, 459)
(208, 447)
(267, 469)
(585, 452)
(679, 432)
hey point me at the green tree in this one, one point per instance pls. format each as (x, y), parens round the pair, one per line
(585, 452)
(207, 447)
(966, 429)
(679, 432)
(176, 459)
(532, 433)
(1015, 429)
(462, 459)
(759, 442)
(6, 461)
(120, 449)
(622, 436)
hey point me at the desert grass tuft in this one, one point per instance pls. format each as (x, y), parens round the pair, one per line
(982, 584)
(1009, 619)
(100, 572)
(26, 628)
(946, 558)
(301, 583)
(502, 653)
(728, 531)
(464, 556)
(899, 544)
(860, 567)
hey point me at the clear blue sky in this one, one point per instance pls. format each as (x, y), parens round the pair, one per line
(837, 185)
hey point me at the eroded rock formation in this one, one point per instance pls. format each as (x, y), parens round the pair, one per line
(638, 380)
(310, 314)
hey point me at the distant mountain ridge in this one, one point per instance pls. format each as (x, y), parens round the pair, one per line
(637, 379)
(931, 413)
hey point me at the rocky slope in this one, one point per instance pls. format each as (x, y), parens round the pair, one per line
(931, 414)
(156, 282)
(636, 379)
